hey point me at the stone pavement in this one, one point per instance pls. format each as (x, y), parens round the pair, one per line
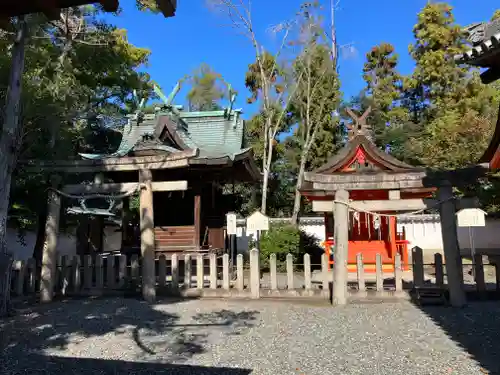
(126, 336)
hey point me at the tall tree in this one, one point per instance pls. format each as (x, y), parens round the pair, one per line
(75, 66)
(263, 81)
(10, 135)
(205, 93)
(451, 97)
(317, 96)
(437, 80)
(383, 92)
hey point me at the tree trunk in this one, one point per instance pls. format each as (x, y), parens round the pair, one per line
(300, 177)
(267, 170)
(10, 136)
(265, 183)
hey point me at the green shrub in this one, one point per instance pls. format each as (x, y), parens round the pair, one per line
(283, 239)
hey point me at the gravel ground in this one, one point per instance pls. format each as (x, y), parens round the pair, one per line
(125, 336)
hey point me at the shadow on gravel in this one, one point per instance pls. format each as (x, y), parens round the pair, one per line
(146, 332)
(68, 365)
(476, 328)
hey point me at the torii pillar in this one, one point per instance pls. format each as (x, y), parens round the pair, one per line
(340, 275)
(453, 261)
(147, 235)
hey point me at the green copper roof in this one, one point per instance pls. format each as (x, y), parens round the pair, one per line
(215, 133)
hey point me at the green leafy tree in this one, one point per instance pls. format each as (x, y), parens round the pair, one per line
(317, 96)
(205, 92)
(452, 99)
(496, 15)
(437, 80)
(383, 93)
(75, 68)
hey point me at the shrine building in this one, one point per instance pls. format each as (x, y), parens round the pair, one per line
(178, 163)
(372, 229)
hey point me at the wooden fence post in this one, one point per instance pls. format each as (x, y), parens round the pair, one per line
(87, 272)
(99, 274)
(200, 278)
(379, 273)
(398, 274)
(240, 276)
(273, 273)
(307, 273)
(134, 268)
(64, 274)
(213, 271)
(122, 270)
(417, 259)
(360, 270)
(110, 271)
(289, 272)
(75, 269)
(325, 276)
(225, 272)
(479, 273)
(187, 271)
(20, 266)
(439, 271)
(31, 275)
(254, 273)
(174, 266)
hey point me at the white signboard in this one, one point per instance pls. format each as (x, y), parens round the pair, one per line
(257, 222)
(471, 217)
(231, 227)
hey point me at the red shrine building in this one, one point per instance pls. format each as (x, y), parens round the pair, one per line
(361, 168)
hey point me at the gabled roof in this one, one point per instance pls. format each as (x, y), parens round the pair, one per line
(216, 134)
(360, 143)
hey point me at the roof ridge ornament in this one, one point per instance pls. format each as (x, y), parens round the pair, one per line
(359, 127)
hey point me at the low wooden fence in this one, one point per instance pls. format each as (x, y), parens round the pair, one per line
(206, 275)
(209, 275)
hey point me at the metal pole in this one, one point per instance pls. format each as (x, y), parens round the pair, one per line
(258, 240)
(472, 252)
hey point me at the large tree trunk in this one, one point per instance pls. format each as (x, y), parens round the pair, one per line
(11, 130)
(297, 201)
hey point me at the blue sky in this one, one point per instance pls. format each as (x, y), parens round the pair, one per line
(196, 35)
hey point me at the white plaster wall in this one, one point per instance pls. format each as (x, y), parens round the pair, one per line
(424, 234)
(487, 237)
